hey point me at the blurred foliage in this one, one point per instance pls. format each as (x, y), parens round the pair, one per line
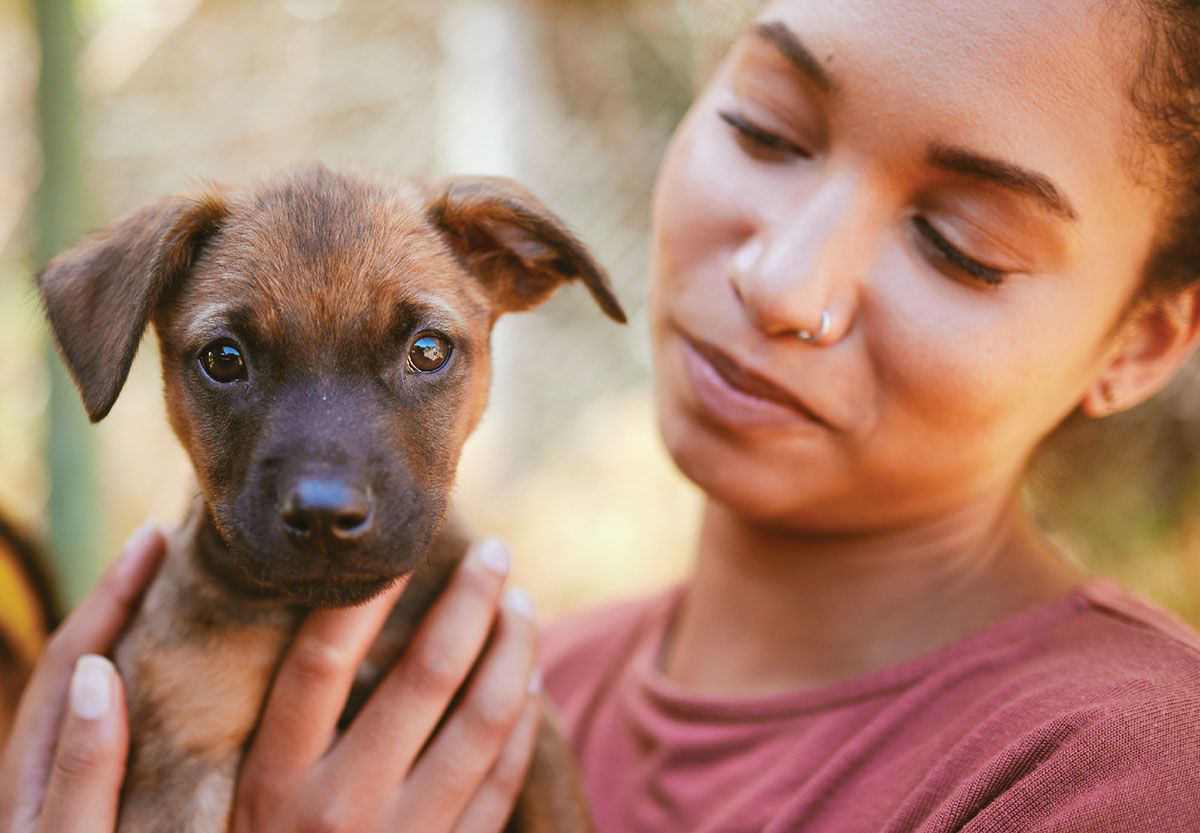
(578, 98)
(60, 208)
(1121, 493)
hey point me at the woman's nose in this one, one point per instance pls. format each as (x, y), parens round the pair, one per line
(796, 275)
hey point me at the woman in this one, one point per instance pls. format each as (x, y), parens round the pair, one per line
(896, 245)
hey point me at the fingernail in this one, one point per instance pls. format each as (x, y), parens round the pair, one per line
(519, 602)
(138, 539)
(91, 687)
(493, 554)
(535, 681)
(127, 564)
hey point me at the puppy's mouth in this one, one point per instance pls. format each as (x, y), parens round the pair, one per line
(299, 578)
(331, 567)
(330, 583)
(334, 592)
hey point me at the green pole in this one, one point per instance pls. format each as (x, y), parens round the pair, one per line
(60, 219)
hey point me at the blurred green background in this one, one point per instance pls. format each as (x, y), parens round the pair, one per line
(106, 104)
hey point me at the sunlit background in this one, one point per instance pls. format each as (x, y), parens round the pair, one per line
(118, 101)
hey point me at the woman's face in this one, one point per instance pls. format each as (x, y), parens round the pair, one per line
(957, 185)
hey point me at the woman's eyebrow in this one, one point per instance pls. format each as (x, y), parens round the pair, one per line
(1006, 174)
(948, 158)
(789, 43)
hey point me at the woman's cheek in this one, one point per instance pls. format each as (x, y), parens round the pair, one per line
(936, 364)
(969, 399)
(698, 207)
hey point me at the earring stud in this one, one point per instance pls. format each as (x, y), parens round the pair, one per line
(1111, 393)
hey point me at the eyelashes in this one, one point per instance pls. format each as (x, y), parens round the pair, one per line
(944, 249)
(955, 256)
(765, 138)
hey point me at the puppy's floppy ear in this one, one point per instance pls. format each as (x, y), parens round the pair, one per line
(99, 295)
(519, 248)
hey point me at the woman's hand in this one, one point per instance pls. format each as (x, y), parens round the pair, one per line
(390, 770)
(62, 768)
(65, 758)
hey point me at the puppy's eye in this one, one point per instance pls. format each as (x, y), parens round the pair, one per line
(223, 362)
(429, 352)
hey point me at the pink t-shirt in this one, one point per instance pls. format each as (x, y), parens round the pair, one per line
(1079, 715)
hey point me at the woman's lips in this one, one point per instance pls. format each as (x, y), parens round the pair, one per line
(736, 397)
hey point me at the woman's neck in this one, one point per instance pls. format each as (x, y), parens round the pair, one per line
(770, 611)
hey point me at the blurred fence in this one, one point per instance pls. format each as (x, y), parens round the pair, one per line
(577, 98)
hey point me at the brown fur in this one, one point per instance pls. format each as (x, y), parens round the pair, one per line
(322, 279)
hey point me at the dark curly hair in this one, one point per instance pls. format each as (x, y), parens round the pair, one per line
(1166, 92)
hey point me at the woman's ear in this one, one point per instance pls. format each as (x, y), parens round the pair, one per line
(1148, 350)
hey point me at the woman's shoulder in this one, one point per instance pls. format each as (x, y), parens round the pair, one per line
(1127, 644)
(1142, 617)
(1143, 661)
(1102, 711)
(585, 648)
(1103, 715)
(1116, 659)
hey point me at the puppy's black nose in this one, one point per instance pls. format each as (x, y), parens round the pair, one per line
(328, 509)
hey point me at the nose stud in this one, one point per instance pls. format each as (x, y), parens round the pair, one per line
(811, 337)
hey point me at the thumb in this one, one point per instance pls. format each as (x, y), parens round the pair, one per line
(89, 760)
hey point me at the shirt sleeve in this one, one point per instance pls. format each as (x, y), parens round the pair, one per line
(1136, 771)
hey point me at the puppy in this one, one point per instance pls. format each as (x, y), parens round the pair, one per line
(325, 353)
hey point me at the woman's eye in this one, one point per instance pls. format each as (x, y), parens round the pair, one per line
(222, 362)
(762, 137)
(429, 352)
(955, 257)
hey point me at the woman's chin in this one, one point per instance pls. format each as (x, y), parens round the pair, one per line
(742, 476)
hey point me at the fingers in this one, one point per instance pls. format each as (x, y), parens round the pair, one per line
(493, 802)
(91, 628)
(449, 772)
(89, 762)
(402, 712)
(312, 684)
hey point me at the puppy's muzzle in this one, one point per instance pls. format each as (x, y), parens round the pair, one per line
(324, 512)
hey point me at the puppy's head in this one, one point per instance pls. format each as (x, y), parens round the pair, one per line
(325, 352)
